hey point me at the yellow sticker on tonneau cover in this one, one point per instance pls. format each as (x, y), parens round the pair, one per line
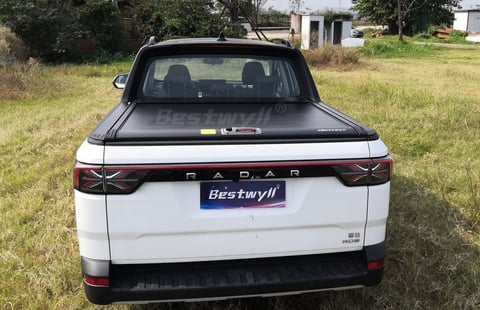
(208, 131)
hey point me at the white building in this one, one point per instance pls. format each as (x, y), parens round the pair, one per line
(312, 32)
(467, 20)
(316, 34)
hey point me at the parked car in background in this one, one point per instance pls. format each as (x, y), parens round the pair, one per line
(356, 33)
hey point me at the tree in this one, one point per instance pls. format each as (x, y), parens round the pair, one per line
(102, 19)
(176, 18)
(42, 24)
(406, 16)
(233, 7)
(257, 7)
(237, 8)
(404, 8)
(181, 18)
(48, 26)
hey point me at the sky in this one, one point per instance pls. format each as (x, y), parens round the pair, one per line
(314, 5)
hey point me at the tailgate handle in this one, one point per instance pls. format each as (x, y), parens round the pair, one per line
(241, 131)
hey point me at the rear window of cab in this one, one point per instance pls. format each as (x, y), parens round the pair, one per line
(226, 77)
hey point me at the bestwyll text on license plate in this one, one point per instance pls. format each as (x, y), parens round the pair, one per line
(245, 194)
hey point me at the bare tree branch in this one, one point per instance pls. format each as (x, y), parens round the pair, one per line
(412, 5)
(257, 7)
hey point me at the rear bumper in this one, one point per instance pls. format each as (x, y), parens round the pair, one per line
(232, 278)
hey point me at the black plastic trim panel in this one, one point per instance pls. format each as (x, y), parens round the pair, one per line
(184, 281)
(233, 141)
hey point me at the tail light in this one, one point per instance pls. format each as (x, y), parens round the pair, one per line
(88, 179)
(375, 264)
(98, 180)
(126, 179)
(96, 281)
(370, 172)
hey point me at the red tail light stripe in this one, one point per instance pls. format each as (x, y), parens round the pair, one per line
(126, 179)
(376, 264)
(238, 166)
(96, 281)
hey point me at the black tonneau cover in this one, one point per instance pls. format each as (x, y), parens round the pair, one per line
(235, 122)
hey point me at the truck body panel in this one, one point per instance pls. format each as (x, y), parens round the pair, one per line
(166, 224)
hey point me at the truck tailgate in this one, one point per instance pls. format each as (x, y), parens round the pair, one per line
(168, 221)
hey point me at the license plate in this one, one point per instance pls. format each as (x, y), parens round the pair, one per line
(245, 194)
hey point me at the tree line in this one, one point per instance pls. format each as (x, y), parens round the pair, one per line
(407, 16)
(51, 26)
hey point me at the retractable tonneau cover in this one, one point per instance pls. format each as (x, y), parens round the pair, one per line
(164, 122)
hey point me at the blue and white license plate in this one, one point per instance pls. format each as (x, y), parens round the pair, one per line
(248, 194)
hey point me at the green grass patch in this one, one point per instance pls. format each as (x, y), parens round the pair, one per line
(391, 46)
(426, 109)
(455, 37)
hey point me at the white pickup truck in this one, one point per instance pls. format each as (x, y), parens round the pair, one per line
(221, 174)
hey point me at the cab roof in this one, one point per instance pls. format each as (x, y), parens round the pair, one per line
(154, 42)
